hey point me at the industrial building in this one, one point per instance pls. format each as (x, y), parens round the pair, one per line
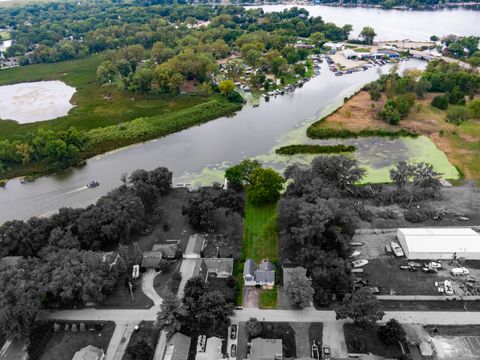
(439, 243)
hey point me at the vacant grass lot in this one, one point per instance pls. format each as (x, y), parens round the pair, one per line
(260, 232)
(64, 344)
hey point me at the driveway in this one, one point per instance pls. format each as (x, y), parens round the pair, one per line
(251, 297)
(333, 336)
(119, 341)
(187, 270)
(148, 278)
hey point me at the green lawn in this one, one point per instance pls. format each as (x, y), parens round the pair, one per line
(96, 106)
(260, 232)
(268, 299)
(371, 341)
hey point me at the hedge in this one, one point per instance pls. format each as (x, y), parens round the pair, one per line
(328, 133)
(315, 149)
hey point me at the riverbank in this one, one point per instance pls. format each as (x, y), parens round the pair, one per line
(360, 114)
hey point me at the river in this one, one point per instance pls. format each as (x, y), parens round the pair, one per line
(397, 24)
(200, 154)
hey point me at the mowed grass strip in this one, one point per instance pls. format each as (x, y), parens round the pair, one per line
(260, 232)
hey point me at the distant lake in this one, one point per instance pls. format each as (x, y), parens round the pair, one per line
(396, 24)
(35, 101)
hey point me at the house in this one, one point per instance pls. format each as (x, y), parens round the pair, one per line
(151, 259)
(212, 351)
(334, 46)
(89, 353)
(195, 246)
(169, 251)
(219, 267)
(266, 349)
(261, 275)
(177, 347)
(439, 243)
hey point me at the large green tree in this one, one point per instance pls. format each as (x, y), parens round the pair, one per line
(362, 307)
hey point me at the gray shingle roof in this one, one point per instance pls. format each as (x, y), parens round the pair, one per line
(249, 267)
(177, 347)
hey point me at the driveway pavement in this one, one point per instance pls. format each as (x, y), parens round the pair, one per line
(187, 270)
(251, 297)
(148, 289)
(119, 341)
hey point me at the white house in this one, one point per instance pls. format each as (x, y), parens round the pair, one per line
(439, 243)
(261, 275)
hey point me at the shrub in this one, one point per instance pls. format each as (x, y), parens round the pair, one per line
(389, 113)
(456, 97)
(356, 344)
(327, 133)
(457, 115)
(391, 333)
(440, 102)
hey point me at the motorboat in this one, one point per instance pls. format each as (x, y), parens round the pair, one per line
(93, 184)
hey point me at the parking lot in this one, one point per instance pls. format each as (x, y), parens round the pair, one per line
(383, 270)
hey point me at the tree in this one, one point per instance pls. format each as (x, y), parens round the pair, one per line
(440, 102)
(368, 34)
(474, 108)
(212, 312)
(362, 307)
(226, 87)
(299, 288)
(240, 174)
(391, 333)
(266, 186)
(140, 351)
(457, 115)
(254, 327)
(172, 314)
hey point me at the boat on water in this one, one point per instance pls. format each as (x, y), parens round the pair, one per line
(397, 249)
(448, 288)
(93, 184)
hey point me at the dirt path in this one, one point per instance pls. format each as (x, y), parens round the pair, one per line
(147, 286)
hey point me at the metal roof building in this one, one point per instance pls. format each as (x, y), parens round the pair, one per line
(439, 243)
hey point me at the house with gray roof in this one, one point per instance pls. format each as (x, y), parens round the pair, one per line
(219, 267)
(262, 274)
(169, 251)
(266, 349)
(89, 353)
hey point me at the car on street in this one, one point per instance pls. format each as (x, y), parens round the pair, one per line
(233, 351)
(326, 352)
(233, 333)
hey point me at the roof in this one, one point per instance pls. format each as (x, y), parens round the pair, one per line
(265, 272)
(349, 53)
(213, 350)
(265, 349)
(195, 244)
(177, 347)
(168, 250)
(151, 258)
(88, 353)
(333, 45)
(441, 240)
(266, 265)
(426, 349)
(249, 267)
(219, 265)
(10, 261)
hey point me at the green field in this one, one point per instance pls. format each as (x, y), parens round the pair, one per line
(260, 232)
(5, 35)
(95, 106)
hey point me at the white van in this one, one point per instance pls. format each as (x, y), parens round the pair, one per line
(459, 271)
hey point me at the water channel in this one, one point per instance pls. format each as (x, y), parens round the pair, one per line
(200, 154)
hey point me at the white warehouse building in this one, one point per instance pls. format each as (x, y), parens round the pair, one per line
(439, 243)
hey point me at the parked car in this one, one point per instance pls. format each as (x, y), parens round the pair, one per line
(359, 263)
(434, 265)
(233, 351)
(326, 352)
(459, 271)
(233, 333)
(429, 270)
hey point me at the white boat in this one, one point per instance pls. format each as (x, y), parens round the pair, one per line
(448, 288)
(355, 253)
(359, 263)
(397, 249)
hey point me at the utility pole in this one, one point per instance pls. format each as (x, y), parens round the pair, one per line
(131, 289)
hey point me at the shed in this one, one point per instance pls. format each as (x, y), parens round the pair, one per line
(439, 243)
(349, 54)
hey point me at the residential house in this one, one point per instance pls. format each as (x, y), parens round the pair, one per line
(195, 246)
(266, 349)
(89, 353)
(169, 251)
(212, 351)
(177, 347)
(259, 275)
(219, 267)
(151, 259)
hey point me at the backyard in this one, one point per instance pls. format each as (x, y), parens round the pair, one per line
(64, 344)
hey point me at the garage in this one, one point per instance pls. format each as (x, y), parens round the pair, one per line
(439, 243)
